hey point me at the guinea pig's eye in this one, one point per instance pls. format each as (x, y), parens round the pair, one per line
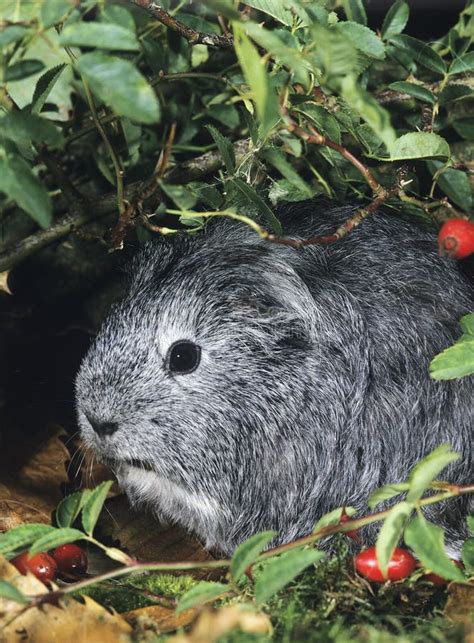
(184, 357)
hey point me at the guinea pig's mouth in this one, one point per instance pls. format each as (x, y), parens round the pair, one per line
(144, 465)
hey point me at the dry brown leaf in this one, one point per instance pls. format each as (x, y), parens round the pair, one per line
(212, 624)
(158, 619)
(4, 282)
(31, 478)
(81, 622)
(145, 538)
(460, 604)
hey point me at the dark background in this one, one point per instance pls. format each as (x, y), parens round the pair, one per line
(428, 18)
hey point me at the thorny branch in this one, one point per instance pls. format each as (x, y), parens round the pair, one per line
(450, 491)
(192, 36)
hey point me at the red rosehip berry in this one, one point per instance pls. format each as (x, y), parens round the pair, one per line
(456, 238)
(71, 559)
(400, 566)
(41, 565)
(345, 518)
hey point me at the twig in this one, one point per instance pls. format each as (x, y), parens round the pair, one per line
(192, 36)
(329, 530)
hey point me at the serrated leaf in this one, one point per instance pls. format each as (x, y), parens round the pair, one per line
(20, 184)
(281, 10)
(386, 492)
(248, 551)
(456, 361)
(102, 35)
(70, 507)
(121, 86)
(391, 532)
(425, 471)
(325, 122)
(454, 183)
(282, 570)
(225, 147)
(93, 506)
(22, 128)
(418, 145)
(467, 555)
(43, 88)
(23, 69)
(253, 198)
(10, 592)
(417, 91)
(55, 539)
(395, 20)
(363, 39)
(453, 93)
(333, 517)
(200, 594)
(427, 542)
(376, 117)
(420, 51)
(462, 64)
(22, 536)
(275, 157)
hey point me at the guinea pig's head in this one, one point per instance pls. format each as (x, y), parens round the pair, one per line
(198, 371)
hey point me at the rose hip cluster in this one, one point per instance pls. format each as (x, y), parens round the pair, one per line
(69, 561)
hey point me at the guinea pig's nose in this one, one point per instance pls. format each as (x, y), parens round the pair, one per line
(103, 428)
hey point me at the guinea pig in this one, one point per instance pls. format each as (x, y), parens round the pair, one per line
(243, 385)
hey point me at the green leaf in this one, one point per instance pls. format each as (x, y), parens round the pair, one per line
(22, 128)
(93, 506)
(463, 64)
(282, 570)
(180, 195)
(333, 517)
(391, 532)
(355, 11)
(54, 11)
(467, 324)
(10, 592)
(22, 536)
(248, 551)
(395, 20)
(70, 507)
(43, 88)
(325, 122)
(454, 183)
(12, 34)
(200, 594)
(376, 117)
(421, 52)
(386, 492)
(414, 90)
(452, 93)
(363, 39)
(470, 523)
(419, 145)
(100, 35)
(121, 86)
(464, 127)
(281, 10)
(23, 69)
(425, 471)
(118, 15)
(467, 555)
(256, 76)
(336, 54)
(225, 114)
(275, 157)
(427, 542)
(20, 184)
(251, 196)
(55, 539)
(456, 361)
(225, 147)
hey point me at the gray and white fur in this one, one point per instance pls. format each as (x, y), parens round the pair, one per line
(312, 389)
